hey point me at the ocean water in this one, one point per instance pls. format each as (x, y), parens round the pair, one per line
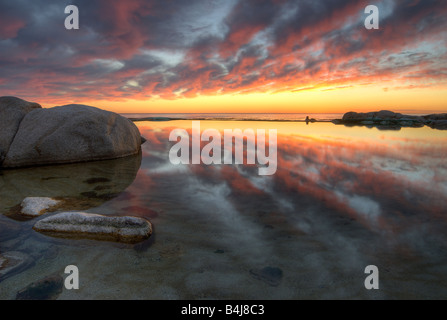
(239, 116)
(342, 198)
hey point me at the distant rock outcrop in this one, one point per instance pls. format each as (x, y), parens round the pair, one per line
(392, 121)
(436, 121)
(31, 135)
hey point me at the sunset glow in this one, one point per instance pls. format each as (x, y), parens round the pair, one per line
(227, 56)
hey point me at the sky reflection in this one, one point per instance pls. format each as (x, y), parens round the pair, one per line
(388, 184)
(340, 200)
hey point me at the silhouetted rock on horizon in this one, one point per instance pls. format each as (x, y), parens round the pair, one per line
(438, 124)
(65, 134)
(436, 121)
(380, 116)
(388, 120)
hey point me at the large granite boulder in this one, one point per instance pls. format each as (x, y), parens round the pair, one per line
(12, 111)
(68, 134)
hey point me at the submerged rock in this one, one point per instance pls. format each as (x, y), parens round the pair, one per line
(13, 262)
(94, 226)
(72, 133)
(48, 288)
(69, 183)
(8, 230)
(270, 275)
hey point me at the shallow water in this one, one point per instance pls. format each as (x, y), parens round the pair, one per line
(340, 200)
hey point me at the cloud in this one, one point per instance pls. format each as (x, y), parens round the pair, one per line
(188, 48)
(11, 28)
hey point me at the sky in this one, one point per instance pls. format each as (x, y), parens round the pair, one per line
(254, 56)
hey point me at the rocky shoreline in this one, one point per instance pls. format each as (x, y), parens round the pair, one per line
(97, 153)
(388, 120)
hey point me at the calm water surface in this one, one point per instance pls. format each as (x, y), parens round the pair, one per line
(341, 199)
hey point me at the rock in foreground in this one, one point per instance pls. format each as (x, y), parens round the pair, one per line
(12, 111)
(94, 226)
(32, 136)
(36, 206)
(72, 133)
(48, 288)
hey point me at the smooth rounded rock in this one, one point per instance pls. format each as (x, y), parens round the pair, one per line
(12, 112)
(94, 226)
(69, 134)
(436, 117)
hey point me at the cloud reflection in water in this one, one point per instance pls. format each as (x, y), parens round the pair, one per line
(361, 196)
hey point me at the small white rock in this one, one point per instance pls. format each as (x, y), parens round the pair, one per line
(36, 206)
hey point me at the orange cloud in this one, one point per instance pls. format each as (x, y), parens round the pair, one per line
(135, 51)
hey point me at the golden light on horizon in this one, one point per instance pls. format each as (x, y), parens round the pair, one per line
(296, 59)
(324, 100)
